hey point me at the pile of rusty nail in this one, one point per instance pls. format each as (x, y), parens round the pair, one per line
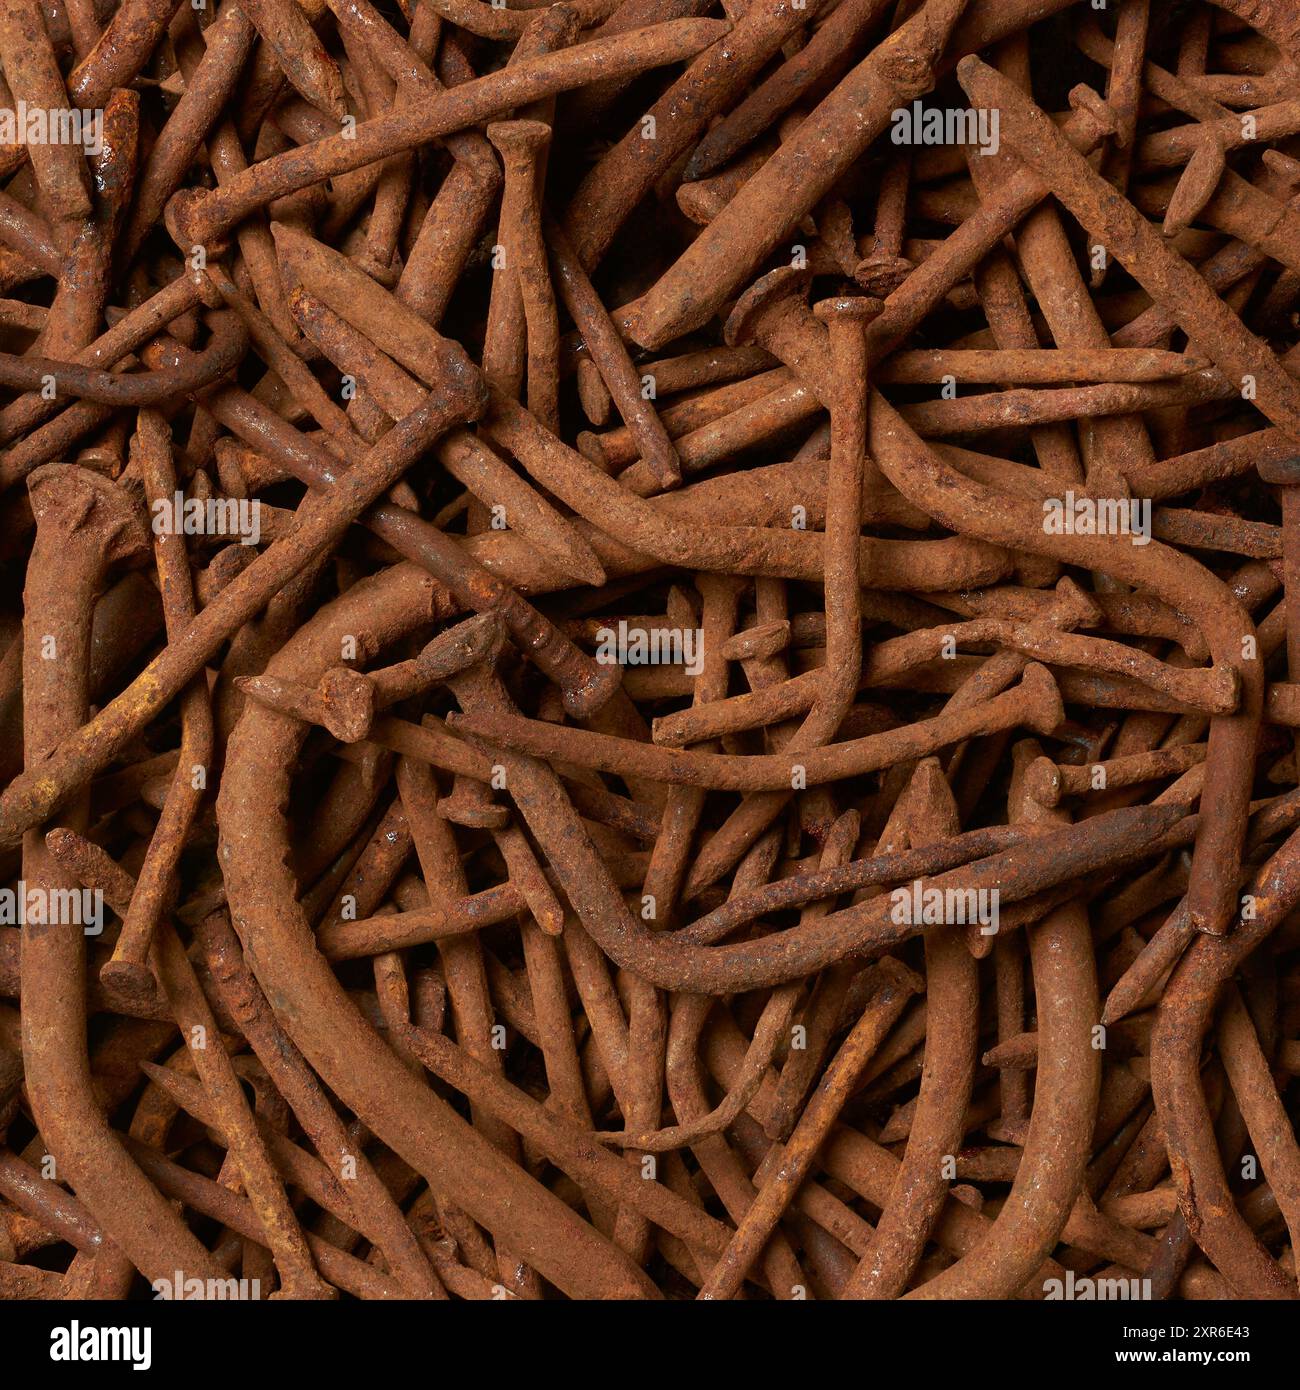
(644, 651)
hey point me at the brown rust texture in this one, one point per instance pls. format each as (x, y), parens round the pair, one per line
(646, 649)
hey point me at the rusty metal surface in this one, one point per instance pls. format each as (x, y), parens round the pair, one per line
(644, 650)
